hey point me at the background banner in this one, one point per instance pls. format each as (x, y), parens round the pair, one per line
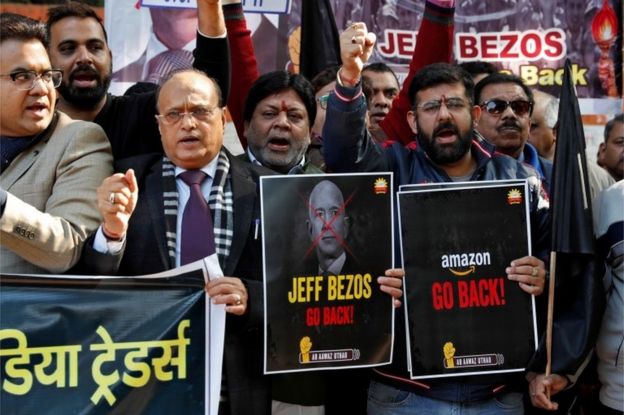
(463, 315)
(530, 38)
(326, 239)
(107, 345)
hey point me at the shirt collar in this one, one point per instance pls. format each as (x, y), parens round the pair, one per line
(336, 266)
(530, 156)
(210, 169)
(297, 168)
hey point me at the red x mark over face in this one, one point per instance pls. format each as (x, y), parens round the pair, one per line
(328, 224)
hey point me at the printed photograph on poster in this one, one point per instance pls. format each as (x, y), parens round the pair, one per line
(152, 38)
(463, 316)
(326, 239)
(102, 345)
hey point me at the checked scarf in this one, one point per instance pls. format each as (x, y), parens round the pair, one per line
(220, 201)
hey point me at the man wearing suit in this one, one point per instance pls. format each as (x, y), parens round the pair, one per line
(169, 48)
(50, 164)
(328, 227)
(143, 233)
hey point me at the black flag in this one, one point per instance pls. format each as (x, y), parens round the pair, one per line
(578, 295)
(320, 47)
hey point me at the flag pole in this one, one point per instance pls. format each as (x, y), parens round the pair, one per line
(550, 318)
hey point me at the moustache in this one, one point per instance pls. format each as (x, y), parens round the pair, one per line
(510, 123)
(446, 126)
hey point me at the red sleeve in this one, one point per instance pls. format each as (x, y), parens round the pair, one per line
(436, 29)
(244, 65)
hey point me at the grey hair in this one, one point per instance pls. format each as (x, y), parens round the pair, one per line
(551, 112)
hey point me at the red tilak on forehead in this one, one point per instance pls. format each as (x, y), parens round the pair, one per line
(284, 107)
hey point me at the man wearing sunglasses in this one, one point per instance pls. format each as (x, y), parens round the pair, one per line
(506, 107)
(50, 164)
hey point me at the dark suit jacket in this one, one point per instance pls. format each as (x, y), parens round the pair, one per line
(145, 253)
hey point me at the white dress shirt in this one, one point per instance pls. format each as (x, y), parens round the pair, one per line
(100, 243)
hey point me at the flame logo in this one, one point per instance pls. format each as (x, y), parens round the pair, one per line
(514, 197)
(604, 24)
(381, 186)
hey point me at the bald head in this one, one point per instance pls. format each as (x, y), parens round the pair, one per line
(191, 121)
(328, 225)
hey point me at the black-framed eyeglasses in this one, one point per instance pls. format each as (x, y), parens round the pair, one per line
(322, 100)
(520, 107)
(199, 113)
(25, 80)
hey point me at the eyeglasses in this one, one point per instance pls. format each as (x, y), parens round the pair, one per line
(453, 104)
(497, 106)
(322, 100)
(25, 80)
(199, 113)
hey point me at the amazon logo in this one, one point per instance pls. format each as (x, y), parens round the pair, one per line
(464, 264)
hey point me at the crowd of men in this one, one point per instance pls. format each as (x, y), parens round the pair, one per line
(88, 181)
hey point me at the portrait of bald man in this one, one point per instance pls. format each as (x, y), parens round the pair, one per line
(328, 227)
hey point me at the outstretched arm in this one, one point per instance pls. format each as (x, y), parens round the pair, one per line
(244, 64)
(212, 54)
(436, 29)
(344, 132)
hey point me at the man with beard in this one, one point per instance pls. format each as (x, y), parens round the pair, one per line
(78, 46)
(507, 104)
(442, 117)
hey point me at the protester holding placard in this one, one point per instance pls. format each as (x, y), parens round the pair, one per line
(443, 117)
(196, 202)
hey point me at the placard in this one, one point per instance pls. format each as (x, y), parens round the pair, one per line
(463, 315)
(326, 239)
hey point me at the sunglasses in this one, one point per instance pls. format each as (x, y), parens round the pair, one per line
(497, 106)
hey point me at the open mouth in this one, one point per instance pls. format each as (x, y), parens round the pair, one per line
(279, 144)
(84, 79)
(446, 135)
(39, 109)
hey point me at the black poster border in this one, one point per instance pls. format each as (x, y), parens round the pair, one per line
(442, 187)
(307, 182)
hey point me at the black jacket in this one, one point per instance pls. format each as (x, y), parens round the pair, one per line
(348, 147)
(145, 252)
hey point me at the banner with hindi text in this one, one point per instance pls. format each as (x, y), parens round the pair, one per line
(105, 345)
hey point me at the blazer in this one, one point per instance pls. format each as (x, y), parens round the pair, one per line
(132, 72)
(145, 252)
(51, 203)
